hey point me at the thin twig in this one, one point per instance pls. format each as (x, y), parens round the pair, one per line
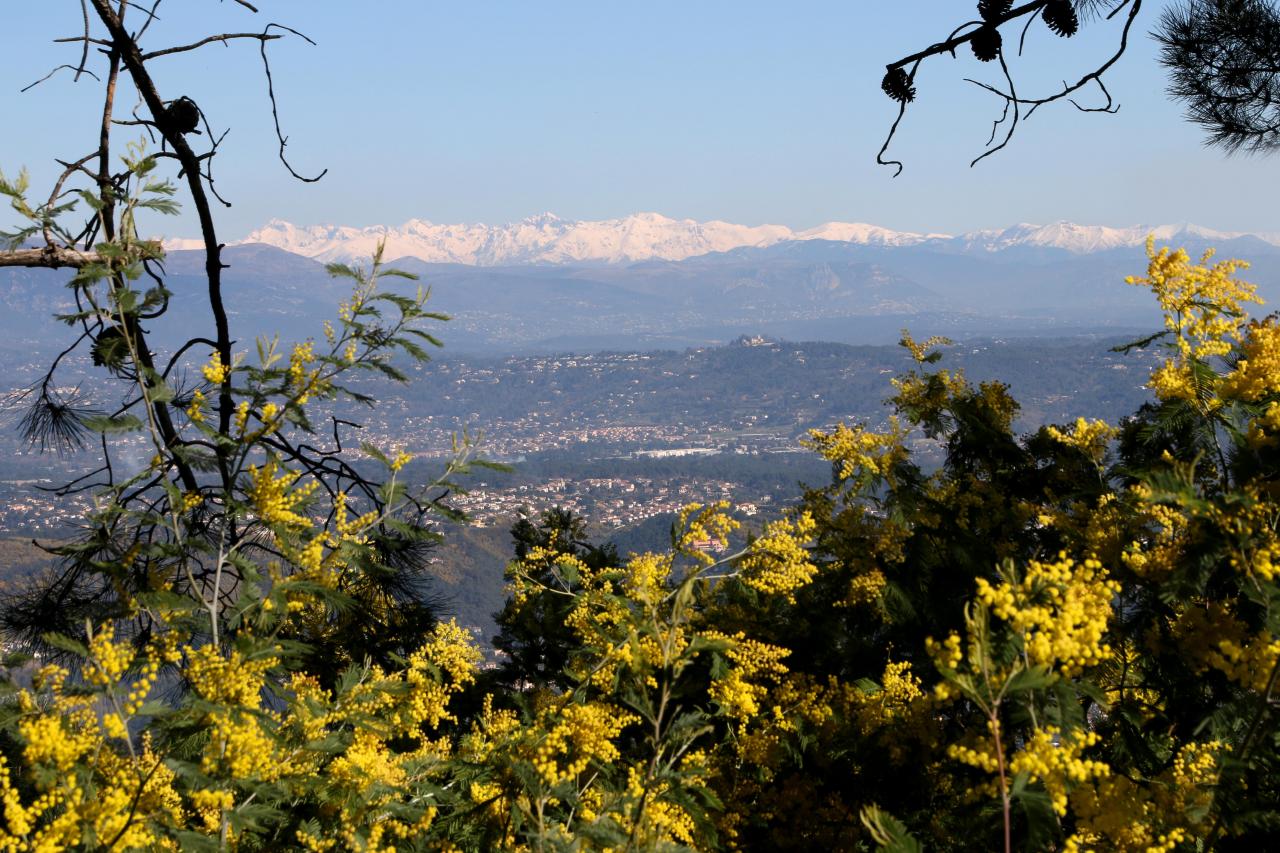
(151, 16)
(275, 114)
(30, 86)
(84, 52)
(893, 129)
(1013, 122)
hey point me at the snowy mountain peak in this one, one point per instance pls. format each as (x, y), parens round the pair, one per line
(544, 218)
(546, 238)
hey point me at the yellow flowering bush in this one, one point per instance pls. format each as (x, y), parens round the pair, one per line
(1067, 640)
(1203, 313)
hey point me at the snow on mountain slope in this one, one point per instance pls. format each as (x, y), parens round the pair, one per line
(871, 235)
(547, 238)
(1085, 239)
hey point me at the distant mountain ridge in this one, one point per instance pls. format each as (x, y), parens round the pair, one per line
(842, 282)
(548, 239)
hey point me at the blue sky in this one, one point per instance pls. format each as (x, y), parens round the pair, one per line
(745, 111)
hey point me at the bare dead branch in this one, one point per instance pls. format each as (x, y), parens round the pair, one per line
(68, 169)
(131, 56)
(71, 39)
(221, 37)
(51, 257)
(1022, 39)
(207, 158)
(190, 459)
(104, 145)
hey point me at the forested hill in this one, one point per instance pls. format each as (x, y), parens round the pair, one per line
(765, 382)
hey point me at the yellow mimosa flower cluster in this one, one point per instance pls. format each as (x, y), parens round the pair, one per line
(108, 660)
(859, 453)
(866, 587)
(1214, 637)
(920, 350)
(893, 702)
(1054, 759)
(300, 357)
(578, 735)
(1257, 373)
(1118, 813)
(754, 666)
(195, 409)
(1089, 437)
(704, 524)
(241, 416)
(1060, 609)
(778, 561)
(227, 680)
(646, 577)
(270, 495)
(1202, 304)
(1203, 310)
(215, 372)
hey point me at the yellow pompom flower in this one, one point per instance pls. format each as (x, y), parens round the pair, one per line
(241, 416)
(215, 372)
(195, 409)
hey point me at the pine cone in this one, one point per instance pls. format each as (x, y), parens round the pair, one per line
(898, 86)
(1060, 16)
(183, 115)
(990, 10)
(986, 43)
(109, 348)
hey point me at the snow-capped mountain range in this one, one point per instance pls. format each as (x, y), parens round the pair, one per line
(548, 239)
